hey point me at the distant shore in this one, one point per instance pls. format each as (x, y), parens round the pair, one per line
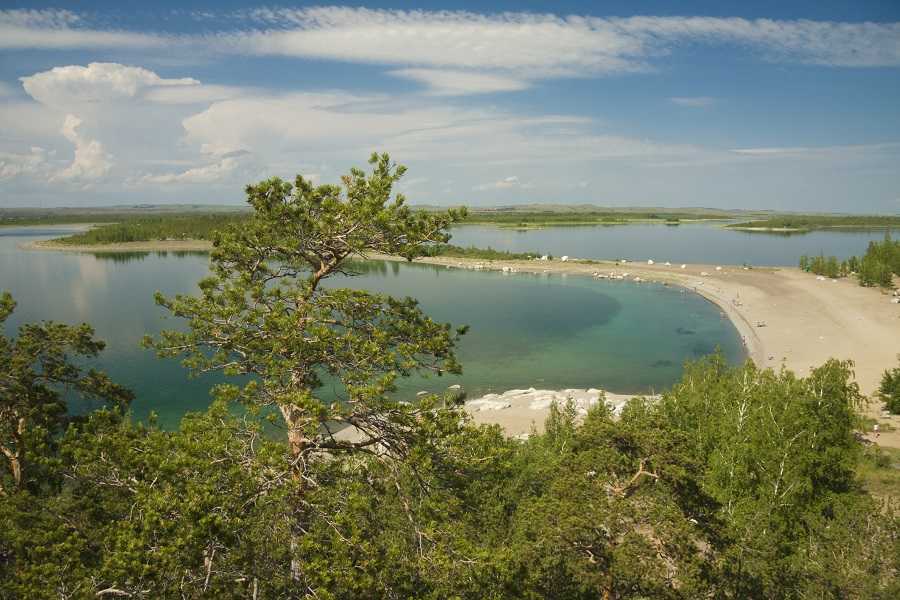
(771, 229)
(785, 317)
(149, 246)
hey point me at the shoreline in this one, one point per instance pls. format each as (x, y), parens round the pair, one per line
(786, 318)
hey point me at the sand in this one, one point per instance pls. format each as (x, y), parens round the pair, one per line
(805, 320)
(520, 411)
(787, 318)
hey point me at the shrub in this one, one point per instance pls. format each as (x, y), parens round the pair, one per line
(889, 391)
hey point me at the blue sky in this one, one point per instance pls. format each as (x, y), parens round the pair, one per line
(733, 105)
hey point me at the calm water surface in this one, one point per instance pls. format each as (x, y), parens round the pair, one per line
(687, 243)
(526, 330)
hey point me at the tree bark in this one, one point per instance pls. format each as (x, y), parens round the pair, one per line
(297, 444)
(14, 457)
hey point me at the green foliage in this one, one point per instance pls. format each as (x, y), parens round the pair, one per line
(889, 390)
(879, 472)
(40, 374)
(155, 228)
(737, 484)
(813, 222)
(477, 253)
(17, 217)
(880, 263)
(263, 312)
(829, 267)
(146, 513)
(876, 268)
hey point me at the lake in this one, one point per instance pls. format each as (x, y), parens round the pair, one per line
(687, 243)
(526, 330)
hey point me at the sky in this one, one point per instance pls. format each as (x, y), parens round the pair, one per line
(790, 106)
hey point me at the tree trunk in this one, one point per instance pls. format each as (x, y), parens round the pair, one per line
(297, 443)
(15, 465)
(14, 457)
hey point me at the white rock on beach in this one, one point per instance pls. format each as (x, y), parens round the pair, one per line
(483, 405)
(540, 400)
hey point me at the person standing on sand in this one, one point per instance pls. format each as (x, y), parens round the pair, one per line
(875, 430)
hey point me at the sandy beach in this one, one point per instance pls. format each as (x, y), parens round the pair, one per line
(786, 317)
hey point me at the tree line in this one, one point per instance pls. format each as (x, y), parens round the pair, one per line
(876, 268)
(153, 228)
(737, 483)
(816, 222)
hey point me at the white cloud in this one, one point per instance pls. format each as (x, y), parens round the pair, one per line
(51, 29)
(693, 101)
(804, 41)
(821, 152)
(458, 40)
(211, 173)
(91, 160)
(193, 94)
(549, 44)
(454, 83)
(338, 126)
(95, 83)
(15, 165)
(457, 52)
(507, 183)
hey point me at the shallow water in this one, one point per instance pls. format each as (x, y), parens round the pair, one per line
(526, 330)
(687, 243)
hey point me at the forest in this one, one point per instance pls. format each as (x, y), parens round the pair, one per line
(738, 482)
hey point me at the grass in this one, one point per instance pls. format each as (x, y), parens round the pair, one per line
(879, 471)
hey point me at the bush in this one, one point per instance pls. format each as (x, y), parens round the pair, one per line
(889, 391)
(820, 265)
(880, 264)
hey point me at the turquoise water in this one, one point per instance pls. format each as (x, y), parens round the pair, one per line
(687, 243)
(526, 330)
